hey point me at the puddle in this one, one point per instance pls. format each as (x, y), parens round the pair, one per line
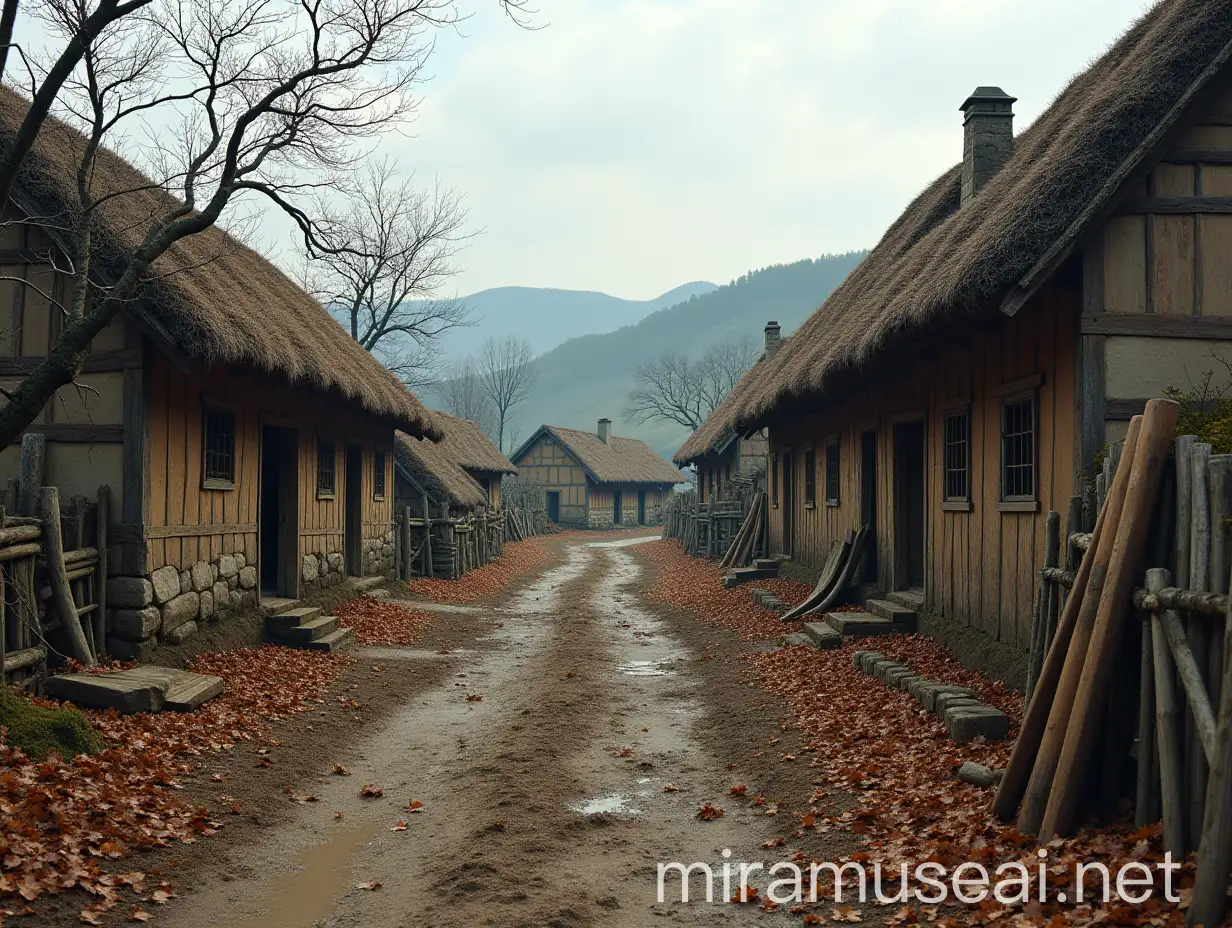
(306, 895)
(642, 669)
(613, 804)
(624, 542)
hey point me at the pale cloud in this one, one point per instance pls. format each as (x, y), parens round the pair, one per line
(631, 145)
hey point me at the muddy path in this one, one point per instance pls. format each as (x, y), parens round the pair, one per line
(540, 761)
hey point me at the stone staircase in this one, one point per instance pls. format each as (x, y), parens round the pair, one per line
(296, 626)
(896, 614)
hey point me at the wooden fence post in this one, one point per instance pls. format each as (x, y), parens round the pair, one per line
(100, 615)
(33, 460)
(1167, 726)
(61, 592)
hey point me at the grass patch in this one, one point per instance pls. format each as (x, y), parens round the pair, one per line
(38, 730)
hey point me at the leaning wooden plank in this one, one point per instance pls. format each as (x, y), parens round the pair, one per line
(838, 554)
(108, 691)
(61, 592)
(1214, 861)
(846, 576)
(1146, 475)
(27, 657)
(1022, 782)
(1167, 729)
(1191, 679)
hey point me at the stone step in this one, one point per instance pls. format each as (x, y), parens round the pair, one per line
(741, 575)
(186, 690)
(800, 639)
(275, 605)
(138, 689)
(863, 624)
(308, 631)
(338, 640)
(892, 611)
(291, 618)
(363, 584)
(822, 635)
(766, 563)
(910, 599)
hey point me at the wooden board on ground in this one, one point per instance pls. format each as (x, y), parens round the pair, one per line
(141, 689)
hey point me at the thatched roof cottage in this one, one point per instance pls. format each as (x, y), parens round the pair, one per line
(967, 374)
(596, 479)
(462, 469)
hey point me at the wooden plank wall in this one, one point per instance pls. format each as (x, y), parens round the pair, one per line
(186, 523)
(980, 565)
(548, 465)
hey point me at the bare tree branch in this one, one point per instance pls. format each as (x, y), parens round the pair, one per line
(508, 373)
(673, 388)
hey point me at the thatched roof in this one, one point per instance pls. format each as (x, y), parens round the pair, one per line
(210, 298)
(431, 466)
(939, 263)
(618, 460)
(469, 448)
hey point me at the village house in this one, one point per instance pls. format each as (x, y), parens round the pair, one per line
(976, 366)
(596, 479)
(463, 469)
(246, 439)
(717, 459)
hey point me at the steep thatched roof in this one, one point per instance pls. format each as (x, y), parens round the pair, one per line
(210, 298)
(937, 262)
(469, 448)
(618, 460)
(432, 467)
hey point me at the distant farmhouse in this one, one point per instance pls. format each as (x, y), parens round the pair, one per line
(596, 479)
(463, 469)
(246, 438)
(975, 366)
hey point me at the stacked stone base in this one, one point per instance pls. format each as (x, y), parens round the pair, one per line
(378, 559)
(322, 570)
(172, 604)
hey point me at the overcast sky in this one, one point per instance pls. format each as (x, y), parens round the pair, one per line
(632, 145)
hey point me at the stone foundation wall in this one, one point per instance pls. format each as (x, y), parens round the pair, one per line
(171, 604)
(323, 570)
(378, 556)
(600, 518)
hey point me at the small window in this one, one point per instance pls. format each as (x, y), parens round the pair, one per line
(832, 473)
(326, 466)
(378, 475)
(774, 480)
(219, 445)
(1018, 449)
(810, 477)
(957, 429)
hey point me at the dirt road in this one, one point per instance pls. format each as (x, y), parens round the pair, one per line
(541, 761)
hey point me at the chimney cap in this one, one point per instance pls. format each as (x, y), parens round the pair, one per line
(608, 421)
(988, 94)
(772, 324)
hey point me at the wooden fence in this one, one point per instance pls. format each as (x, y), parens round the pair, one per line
(709, 529)
(448, 546)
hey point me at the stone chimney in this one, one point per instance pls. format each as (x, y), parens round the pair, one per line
(774, 338)
(605, 430)
(988, 137)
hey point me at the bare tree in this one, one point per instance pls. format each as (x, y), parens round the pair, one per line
(390, 251)
(271, 98)
(463, 394)
(674, 388)
(508, 372)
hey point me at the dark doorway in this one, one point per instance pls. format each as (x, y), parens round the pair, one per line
(868, 503)
(554, 506)
(279, 505)
(909, 505)
(617, 507)
(353, 528)
(789, 495)
(641, 507)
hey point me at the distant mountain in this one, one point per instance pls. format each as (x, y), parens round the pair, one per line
(547, 317)
(588, 377)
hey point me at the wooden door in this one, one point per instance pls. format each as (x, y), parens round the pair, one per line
(353, 528)
(868, 503)
(617, 507)
(789, 495)
(554, 506)
(641, 507)
(278, 525)
(909, 505)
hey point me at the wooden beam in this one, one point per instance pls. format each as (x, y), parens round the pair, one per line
(1200, 156)
(1175, 205)
(201, 531)
(1157, 326)
(1092, 387)
(84, 432)
(96, 362)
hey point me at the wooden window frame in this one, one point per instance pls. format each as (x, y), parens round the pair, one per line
(380, 469)
(945, 413)
(810, 477)
(1019, 502)
(211, 407)
(833, 444)
(330, 492)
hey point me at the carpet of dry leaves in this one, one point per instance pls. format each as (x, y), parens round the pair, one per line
(519, 559)
(377, 622)
(875, 744)
(61, 819)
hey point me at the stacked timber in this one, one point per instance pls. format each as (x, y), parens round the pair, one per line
(724, 527)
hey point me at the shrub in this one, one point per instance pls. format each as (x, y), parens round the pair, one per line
(39, 730)
(1206, 411)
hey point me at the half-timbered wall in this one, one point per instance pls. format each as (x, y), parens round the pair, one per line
(980, 559)
(546, 464)
(1157, 300)
(603, 503)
